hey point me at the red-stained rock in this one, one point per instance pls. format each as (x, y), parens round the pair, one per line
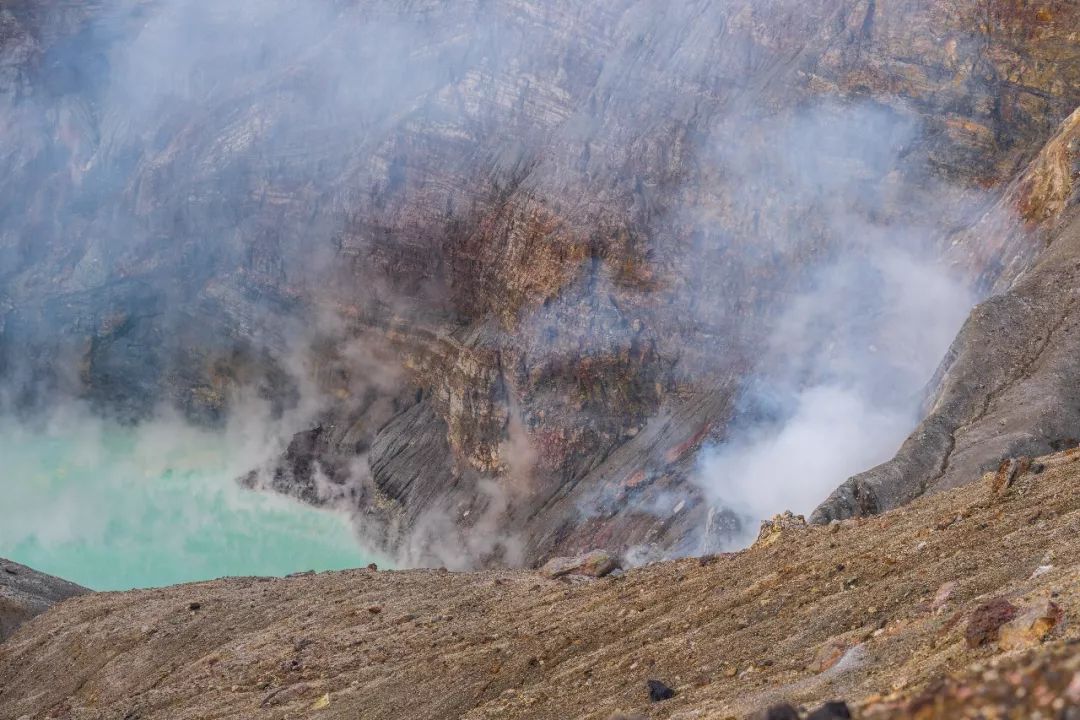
(986, 620)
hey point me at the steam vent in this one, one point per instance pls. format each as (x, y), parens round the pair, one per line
(540, 359)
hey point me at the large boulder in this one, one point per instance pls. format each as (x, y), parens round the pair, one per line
(596, 563)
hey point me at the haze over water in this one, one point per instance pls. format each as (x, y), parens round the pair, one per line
(114, 508)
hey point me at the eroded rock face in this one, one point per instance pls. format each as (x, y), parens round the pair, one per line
(986, 621)
(1005, 388)
(559, 223)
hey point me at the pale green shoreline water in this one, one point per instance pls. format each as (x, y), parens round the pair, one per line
(115, 508)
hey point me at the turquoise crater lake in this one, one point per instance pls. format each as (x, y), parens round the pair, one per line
(114, 508)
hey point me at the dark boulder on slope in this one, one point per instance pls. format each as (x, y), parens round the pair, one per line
(26, 593)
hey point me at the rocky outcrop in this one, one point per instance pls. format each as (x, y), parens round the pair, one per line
(1031, 626)
(773, 530)
(26, 593)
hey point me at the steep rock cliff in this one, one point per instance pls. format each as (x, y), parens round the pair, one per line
(567, 229)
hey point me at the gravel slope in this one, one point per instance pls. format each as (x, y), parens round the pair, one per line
(731, 633)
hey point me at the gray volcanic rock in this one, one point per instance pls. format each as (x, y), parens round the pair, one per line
(592, 564)
(26, 593)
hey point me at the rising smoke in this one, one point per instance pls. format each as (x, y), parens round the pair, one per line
(205, 203)
(849, 357)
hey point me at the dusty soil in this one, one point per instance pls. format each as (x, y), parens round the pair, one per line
(731, 633)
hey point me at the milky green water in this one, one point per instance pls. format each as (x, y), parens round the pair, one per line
(115, 508)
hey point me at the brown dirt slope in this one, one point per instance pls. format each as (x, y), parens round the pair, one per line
(731, 634)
